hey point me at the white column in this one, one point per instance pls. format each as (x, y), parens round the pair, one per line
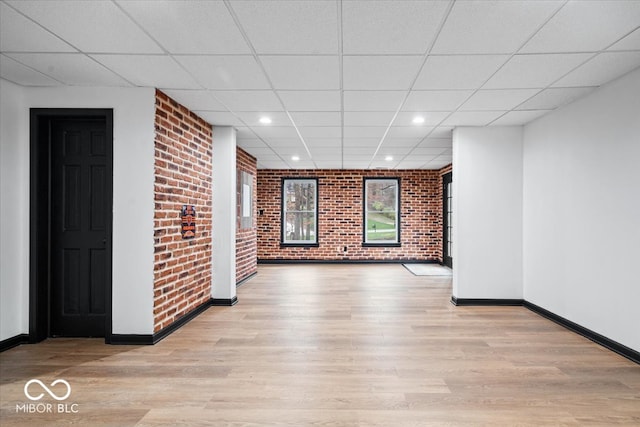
(223, 290)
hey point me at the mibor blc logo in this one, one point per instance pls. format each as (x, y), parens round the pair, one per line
(35, 390)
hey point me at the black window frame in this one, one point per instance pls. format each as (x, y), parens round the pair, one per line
(387, 244)
(283, 242)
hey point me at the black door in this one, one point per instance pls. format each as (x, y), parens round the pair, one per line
(447, 226)
(80, 203)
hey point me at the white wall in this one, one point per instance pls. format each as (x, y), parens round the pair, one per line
(14, 208)
(487, 212)
(582, 211)
(133, 179)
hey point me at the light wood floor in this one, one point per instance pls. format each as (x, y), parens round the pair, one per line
(343, 345)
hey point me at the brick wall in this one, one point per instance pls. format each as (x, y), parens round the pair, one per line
(246, 237)
(182, 268)
(340, 216)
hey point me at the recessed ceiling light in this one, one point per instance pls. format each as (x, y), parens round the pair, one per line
(295, 158)
(388, 158)
(265, 120)
(418, 120)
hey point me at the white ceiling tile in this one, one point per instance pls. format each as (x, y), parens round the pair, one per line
(571, 29)
(242, 132)
(249, 100)
(431, 118)
(492, 26)
(148, 70)
(320, 131)
(361, 142)
(358, 151)
(408, 132)
(368, 118)
(19, 74)
(504, 99)
(437, 142)
(364, 131)
(552, 98)
(458, 72)
(436, 164)
(442, 132)
(263, 151)
(535, 71)
(428, 151)
(225, 72)
(270, 132)
(195, 99)
(601, 69)
(289, 27)
(516, 118)
(325, 152)
(302, 72)
(91, 26)
(196, 27)
(402, 142)
(19, 34)
(285, 142)
(296, 100)
(372, 27)
(390, 150)
(316, 118)
(355, 164)
(374, 100)
(380, 72)
(410, 164)
(630, 42)
(329, 164)
(472, 118)
(70, 68)
(435, 100)
(252, 118)
(329, 143)
(219, 118)
(272, 164)
(246, 143)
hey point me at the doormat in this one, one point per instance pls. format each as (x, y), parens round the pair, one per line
(428, 269)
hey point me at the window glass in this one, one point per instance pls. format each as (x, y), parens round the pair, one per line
(299, 216)
(381, 210)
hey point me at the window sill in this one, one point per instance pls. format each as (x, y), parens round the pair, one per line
(299, 245)
(381, 245)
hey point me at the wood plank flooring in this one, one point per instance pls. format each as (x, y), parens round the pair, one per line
(341, 345)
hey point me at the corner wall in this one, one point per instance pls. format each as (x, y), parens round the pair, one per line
(183, 175)
(582, 211)
(340, 216)
(487, 213)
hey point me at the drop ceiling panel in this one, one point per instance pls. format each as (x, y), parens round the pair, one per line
(602, 69)
(380, 72)
(272, 164)
(320, 131)
(516, 118)
(302, 72)
(19, 34)
(278, 143)
(318, 118)
(535, 71)
(505, 99)
(19, 74)
(195, 99)
(219, 118)
(571, 29)
(361, 142)
(203, 27)
(402, 142)
(289, 27)
(148, 70)
(408, 132)
(252, 118)
(225, 72)
(372, 27)
(411, 164)
(250, 142)
(472, 118)
(373, 100)
(458, 72)
(552, 98)
(92, 27)
(332, 164)
(431, 118)
(366, 118)
(70, 68)
(390, 150)
(442, 132)
(435, 100)
(327, 143)
(437, 142)
(492, 26)
(630, 42)
(364, 131)
(269, 132)
(249, 100)
(428, 151)
(296, 100)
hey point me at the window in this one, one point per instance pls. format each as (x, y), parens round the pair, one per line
(381, 212)
(300, 212)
